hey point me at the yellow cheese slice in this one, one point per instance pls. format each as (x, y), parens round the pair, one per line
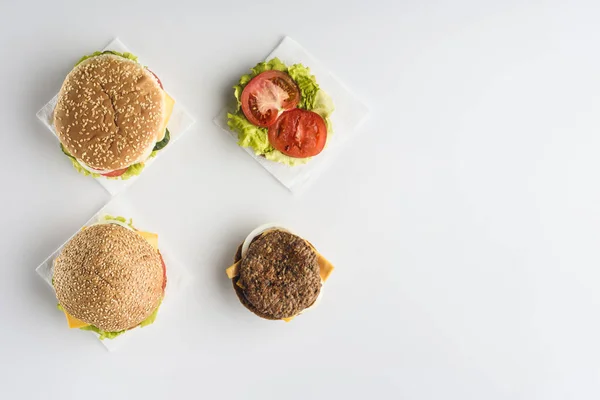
(74, 322)
(234, 270)
(152, 238)
(288, 319)
(325, 267)
(169, 104)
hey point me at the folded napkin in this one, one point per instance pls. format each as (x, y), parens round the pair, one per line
(349, 114)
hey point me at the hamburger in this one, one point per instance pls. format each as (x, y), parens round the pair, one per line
(110, 278)
(278, 275)
(111, 115)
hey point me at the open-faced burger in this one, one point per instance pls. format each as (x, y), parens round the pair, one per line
(278, 275)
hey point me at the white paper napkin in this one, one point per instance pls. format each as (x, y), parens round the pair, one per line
(179, 123)
(178, 278)
(349, 114)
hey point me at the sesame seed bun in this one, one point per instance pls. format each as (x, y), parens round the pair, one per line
(279, 275)
(109, 277)
(109, 112)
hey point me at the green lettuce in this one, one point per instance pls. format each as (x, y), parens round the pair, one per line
(76, 164)
(323, 105)
(111, 335)
(279, 157)
(116, 53)
(249, 135)
(131, 171)
(307, 84)
(150, 320)
(102, 334)
(123, 220)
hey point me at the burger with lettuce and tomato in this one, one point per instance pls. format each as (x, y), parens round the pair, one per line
(111, 115)
(110, 278)
(282, 114)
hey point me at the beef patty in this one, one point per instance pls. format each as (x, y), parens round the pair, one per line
(279, 275)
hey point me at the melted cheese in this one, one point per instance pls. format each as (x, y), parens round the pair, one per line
(151, 238)
(169, 104)
(74, 322)
(325, 267)
(233, 271)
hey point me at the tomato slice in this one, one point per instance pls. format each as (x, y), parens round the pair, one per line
(299, 133)
(164, 272)
(115, 173)
(159, 82)
(267, 95)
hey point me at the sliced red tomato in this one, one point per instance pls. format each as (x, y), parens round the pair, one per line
(115, 173)
(267, 95)
(299, 133)
(159, 82)
(164, 272)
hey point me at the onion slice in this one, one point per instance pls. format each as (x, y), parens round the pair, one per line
(258, 231)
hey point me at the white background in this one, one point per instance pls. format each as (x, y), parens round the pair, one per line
(464, 222)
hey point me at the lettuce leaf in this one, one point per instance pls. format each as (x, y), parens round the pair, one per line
(116, 53)
(279, 157)
(307, 84)
(102, 334)
(111, 335)
(76, 164)
(150, 320)
(249, 135)
(132, 170)
(323, 105)
(120, 219)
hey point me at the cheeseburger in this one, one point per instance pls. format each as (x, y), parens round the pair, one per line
(111, 115)
(110, 278)
(278, 275)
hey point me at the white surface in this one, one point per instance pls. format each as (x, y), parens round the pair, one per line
(179, 123)
(178, 278)
(349, 114)
(464, 221)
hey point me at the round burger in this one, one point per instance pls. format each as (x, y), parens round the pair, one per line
(110, 278)
(111, 115)
(278, 275)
